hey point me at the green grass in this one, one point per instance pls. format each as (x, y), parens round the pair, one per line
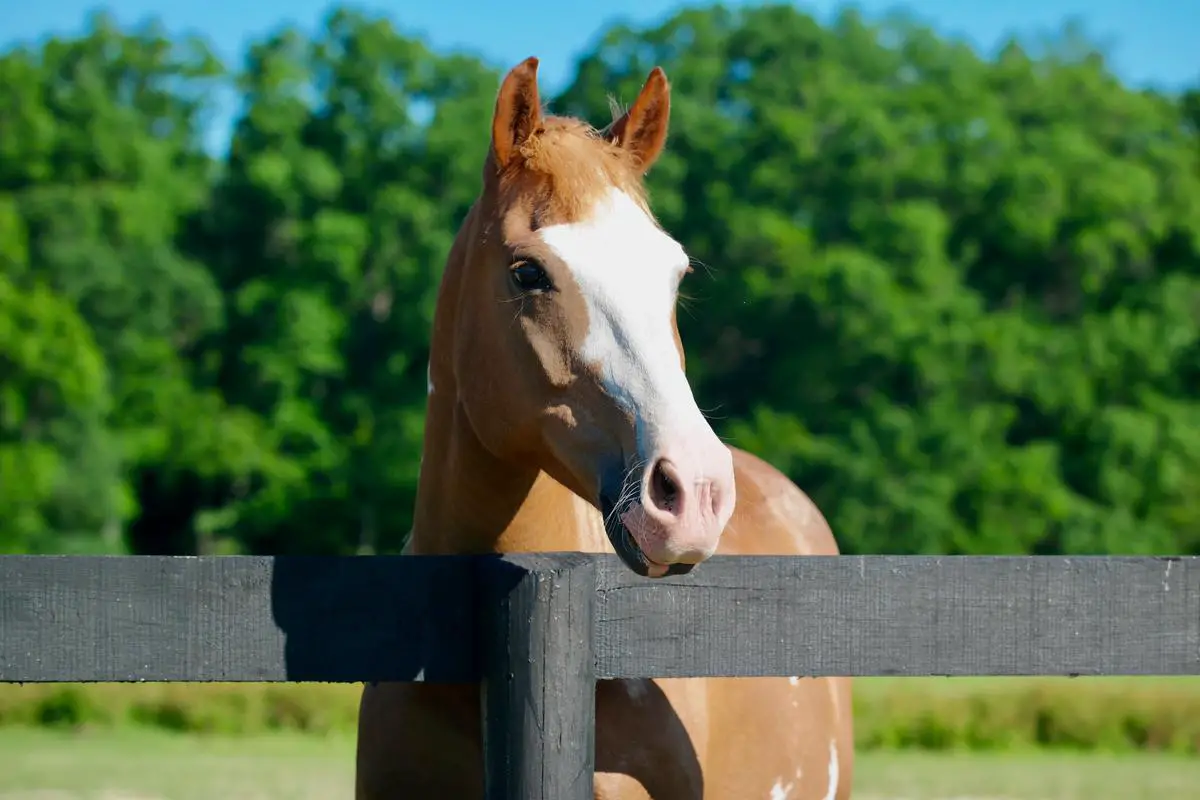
(146, 765)
(1025, 776)
(1111, 715)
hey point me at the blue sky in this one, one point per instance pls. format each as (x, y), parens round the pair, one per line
(1151, 42)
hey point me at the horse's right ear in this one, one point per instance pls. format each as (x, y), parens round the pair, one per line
(518, 111)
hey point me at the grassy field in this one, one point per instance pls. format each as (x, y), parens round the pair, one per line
(145, 765)
(1112, 715)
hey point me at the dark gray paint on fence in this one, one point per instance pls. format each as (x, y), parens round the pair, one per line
(878, 615)
(414, 618)
(539, 688)
(242, 618)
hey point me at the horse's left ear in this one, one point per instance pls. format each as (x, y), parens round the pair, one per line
(643, 128)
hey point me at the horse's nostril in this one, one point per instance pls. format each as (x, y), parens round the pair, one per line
(664, 491)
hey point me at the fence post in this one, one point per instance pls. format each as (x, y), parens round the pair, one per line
(539, 686)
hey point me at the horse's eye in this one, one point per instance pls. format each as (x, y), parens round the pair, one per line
(530, 276)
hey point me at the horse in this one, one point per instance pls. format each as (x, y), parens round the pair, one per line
(559, 418)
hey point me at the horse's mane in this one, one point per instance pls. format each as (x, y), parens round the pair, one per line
(574, 164)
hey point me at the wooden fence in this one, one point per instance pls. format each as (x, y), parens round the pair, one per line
(539, 629)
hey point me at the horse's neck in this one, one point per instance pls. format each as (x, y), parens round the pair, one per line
(468, 501)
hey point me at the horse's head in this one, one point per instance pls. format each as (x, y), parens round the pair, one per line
(572, 358)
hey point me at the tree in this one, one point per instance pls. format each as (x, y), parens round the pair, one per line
(956, 299)
(966, 300)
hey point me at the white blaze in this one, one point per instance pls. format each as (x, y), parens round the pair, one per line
(628, 270)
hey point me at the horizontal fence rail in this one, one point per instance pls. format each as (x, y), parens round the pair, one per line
(537, 630)
(420, 618)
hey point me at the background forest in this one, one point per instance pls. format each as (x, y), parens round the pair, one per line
(957, 299)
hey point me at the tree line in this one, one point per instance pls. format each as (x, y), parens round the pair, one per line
(956, 298)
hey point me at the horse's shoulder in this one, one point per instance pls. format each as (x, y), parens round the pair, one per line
(773, 514)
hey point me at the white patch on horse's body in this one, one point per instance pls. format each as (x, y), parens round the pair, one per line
(628, 270)
(781, 792)
(833, 771)
(429, 377)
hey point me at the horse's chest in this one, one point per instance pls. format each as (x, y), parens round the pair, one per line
(651, 739)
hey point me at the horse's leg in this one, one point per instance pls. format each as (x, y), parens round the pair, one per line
(418, 742)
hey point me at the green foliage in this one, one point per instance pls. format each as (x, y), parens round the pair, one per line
(956, 299)
(1110, 715)
(969, 290)
(191, 708)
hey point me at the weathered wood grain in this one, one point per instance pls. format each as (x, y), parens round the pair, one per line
(886, 615)
(539, 698)
(416, 618)
(150, 618)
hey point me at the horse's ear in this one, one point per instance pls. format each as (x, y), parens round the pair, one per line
(518, 111)
(643, 128)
